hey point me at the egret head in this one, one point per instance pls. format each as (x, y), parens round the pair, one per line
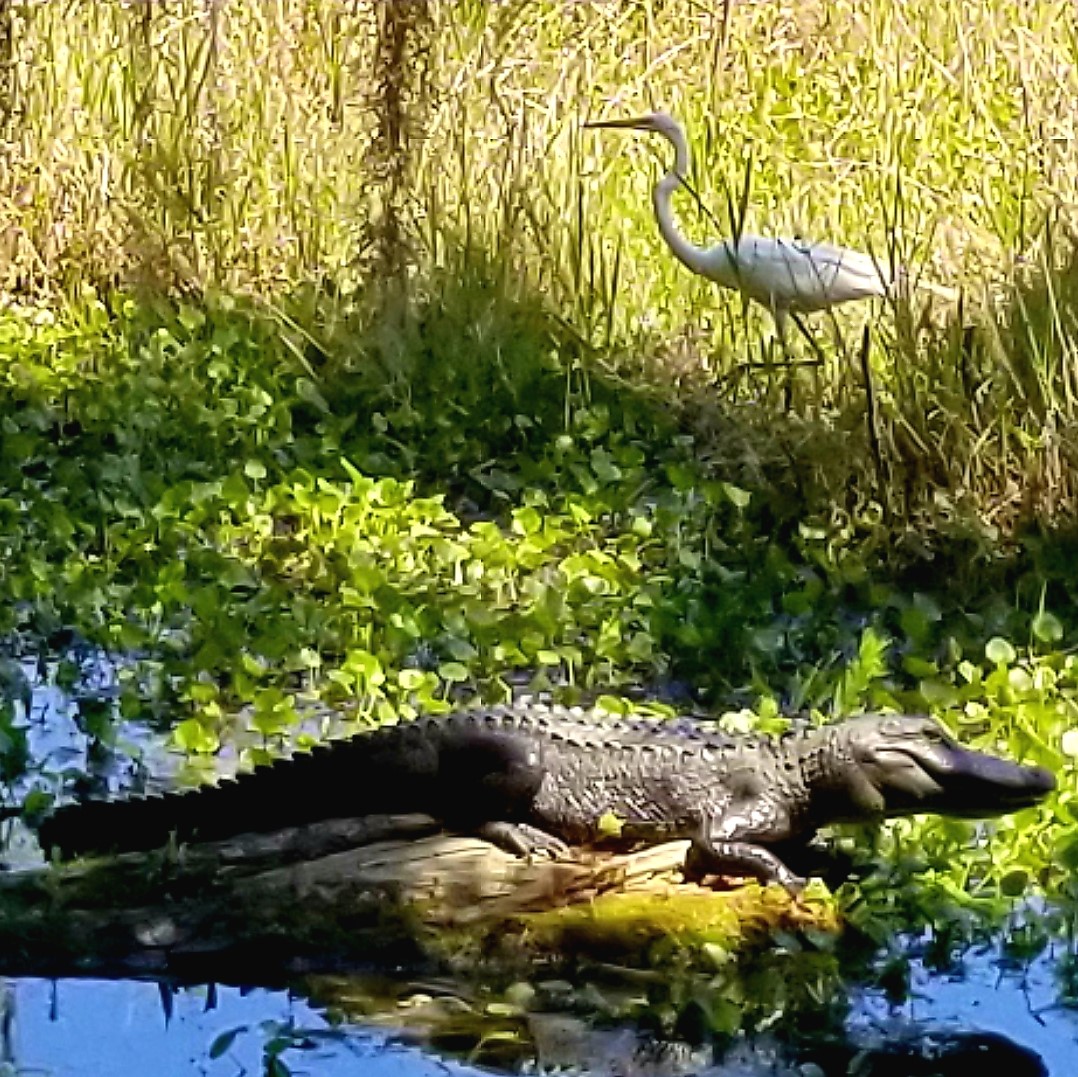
(661, 123)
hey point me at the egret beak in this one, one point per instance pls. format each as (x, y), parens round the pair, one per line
(637, 123)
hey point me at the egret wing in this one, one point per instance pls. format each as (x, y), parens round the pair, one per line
(792, 274)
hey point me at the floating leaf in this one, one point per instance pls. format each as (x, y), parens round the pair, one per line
(610, 825)
(1069, 743)
(1047, 627)
(224, 1041)
(999, 651)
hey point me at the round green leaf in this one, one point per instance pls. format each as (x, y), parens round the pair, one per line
(999, 651)
(1047, 627)
(1014, 883)
(453, 671)
(1069, 743)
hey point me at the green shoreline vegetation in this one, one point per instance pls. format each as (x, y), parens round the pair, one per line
(337, 360)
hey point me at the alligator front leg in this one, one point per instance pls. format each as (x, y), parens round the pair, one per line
(522, 839)
(734, 843)
(709, 857)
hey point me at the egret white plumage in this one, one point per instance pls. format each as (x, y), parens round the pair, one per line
(784, 275)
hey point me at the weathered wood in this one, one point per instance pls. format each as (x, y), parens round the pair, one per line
(321, 897)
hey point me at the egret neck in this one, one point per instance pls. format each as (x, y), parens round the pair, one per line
(715, 262)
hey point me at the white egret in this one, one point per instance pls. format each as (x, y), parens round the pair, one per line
(785, 275)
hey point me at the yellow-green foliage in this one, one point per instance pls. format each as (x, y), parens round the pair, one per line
(245, 132)
(254, 145)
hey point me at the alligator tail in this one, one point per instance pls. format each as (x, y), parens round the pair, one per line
(337, 779)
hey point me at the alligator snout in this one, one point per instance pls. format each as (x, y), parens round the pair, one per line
(977, 784)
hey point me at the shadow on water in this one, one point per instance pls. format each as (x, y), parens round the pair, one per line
(803, 1005)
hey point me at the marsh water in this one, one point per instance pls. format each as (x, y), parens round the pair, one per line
(93, 1028)
(1022, 1017)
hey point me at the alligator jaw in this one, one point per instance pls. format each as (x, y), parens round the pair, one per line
(975, 784)
(916, 766)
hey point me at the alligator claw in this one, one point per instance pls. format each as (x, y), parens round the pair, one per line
(740, 858)
(523, 839)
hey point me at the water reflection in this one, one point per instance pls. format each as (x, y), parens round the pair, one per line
(1020, 1004)
(90, 1028)
(981, 1012)
(93, 1028)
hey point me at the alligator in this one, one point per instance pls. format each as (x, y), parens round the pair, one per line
(534, 779)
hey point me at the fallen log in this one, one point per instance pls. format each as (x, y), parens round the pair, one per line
(359, 892)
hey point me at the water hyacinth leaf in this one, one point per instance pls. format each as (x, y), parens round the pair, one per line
(1069, 743)
(1067, 852)
(938, 693)
(1000, 651)
(365, 667)
(1047, 627)
(527, 521)
(737, 497)
(308, 392)
(916, 666)
(192, 736)
(1014, 883)
(613, 704)
(223, 1042)
(453, 672)
(1020, 680)
(606, 471)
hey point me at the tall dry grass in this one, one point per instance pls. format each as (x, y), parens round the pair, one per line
(260, 146)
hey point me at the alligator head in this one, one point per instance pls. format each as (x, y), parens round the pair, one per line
(903, 765)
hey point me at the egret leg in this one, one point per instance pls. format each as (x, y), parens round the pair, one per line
(813, 342)
(782, 322)
(782, 342)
